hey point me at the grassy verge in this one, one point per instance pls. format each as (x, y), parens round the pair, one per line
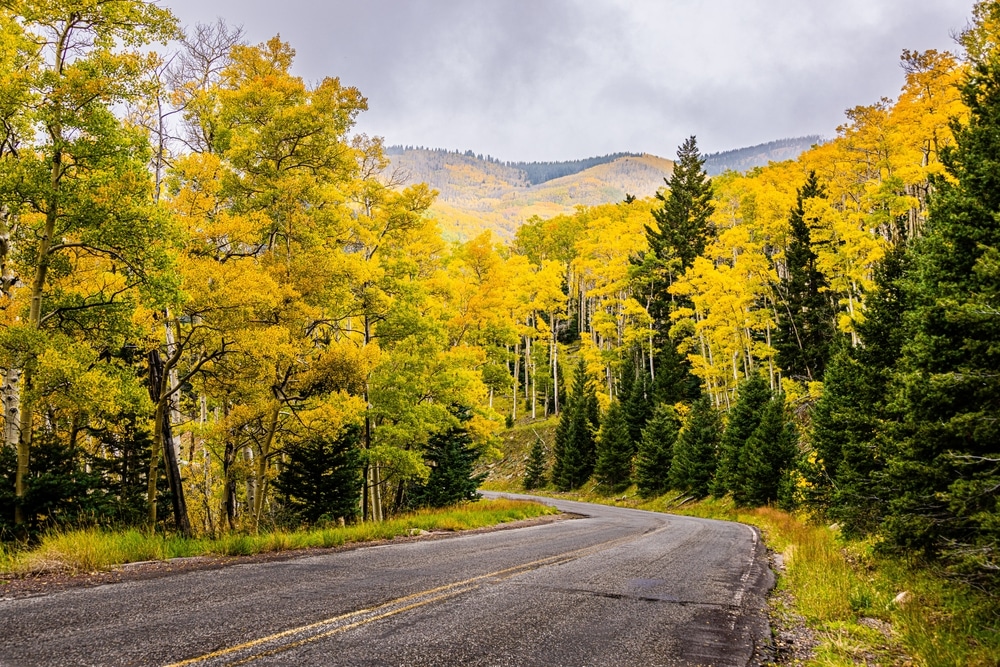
(850, 596)
(90, 550)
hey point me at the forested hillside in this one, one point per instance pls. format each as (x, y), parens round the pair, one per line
(221, 309)
(477, 194)
(743, 159)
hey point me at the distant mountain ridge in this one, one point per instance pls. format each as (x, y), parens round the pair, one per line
(477, 192)
(742, 159)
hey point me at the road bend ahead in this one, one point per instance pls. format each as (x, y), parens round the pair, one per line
(619, 587)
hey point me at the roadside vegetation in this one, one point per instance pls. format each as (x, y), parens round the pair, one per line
(94, 549)
(861, 606)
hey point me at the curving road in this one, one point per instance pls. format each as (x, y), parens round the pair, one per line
(619, 587)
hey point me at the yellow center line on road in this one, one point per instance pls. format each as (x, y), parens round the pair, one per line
(322, 635)
(385, 610)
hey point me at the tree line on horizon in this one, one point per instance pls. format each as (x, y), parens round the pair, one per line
(220, 313)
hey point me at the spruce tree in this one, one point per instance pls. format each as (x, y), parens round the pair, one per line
(753, 395)
(807, 324)
(615, 450)
(322, 476)
(636, 399)
(534, 472)
(682, 220)
(681, 232)
(945, 473)
(849, 425)
(695, 452)
(767, 457)
(674, 382)
(451, 456)
(656, 451)
(560, 457)
(575, 444)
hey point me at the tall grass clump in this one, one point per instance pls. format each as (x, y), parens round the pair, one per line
(96, 549)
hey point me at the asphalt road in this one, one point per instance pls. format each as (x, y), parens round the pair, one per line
(620, 587)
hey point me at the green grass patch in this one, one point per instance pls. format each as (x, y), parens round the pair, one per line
(95, 549)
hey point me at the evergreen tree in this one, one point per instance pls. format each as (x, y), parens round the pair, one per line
(849, 428)
(451, 456)
(674, 383)
(682, 230)
(807, 323)
(560, 456)
(615, 450)
(946, 471)
(656, 451)
(534, 472)
(636, 399)
(575, 444)
(322, 477)
(752, 396)
(695, 452)
(767, 458)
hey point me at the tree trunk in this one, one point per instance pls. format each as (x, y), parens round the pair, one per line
(265, 451)
(10, 392)
(163, 441)
(228, 478)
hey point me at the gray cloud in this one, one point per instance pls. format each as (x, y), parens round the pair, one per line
(556, 79)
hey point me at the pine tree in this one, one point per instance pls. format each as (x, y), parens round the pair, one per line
(683, 228)
(695, 452)
(451, 456)
(636, 400)
(322, 477)
(806, 314)
(681, 233)
(615, 450)
(767, 457)
(946, 471)
(656, 451)
(753, 394)
(849, 423)
(534, 472)
(575, 445)
(674, 383)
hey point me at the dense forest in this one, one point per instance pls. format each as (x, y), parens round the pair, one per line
(743, 159)
(220, 312)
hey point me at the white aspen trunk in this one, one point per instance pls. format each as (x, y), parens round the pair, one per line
(11, 397)
(555, 367)
(10, 390)
(517, 370)
(770, 359)
(527, 368)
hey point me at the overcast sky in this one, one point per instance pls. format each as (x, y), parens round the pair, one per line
(564, 79)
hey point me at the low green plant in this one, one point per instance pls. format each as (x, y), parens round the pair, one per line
(95, 549)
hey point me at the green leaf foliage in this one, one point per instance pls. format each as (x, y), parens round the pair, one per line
(945, 472)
